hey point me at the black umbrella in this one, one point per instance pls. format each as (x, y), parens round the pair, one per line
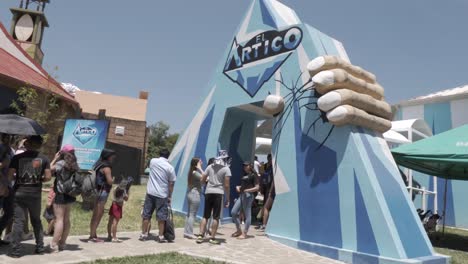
(18, 125)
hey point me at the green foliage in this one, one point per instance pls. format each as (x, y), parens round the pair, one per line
(160, 138)
(33, 105)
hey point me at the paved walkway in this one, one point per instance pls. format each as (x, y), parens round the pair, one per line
(255, 250)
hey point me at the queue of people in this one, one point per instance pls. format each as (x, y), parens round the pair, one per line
(24, 173)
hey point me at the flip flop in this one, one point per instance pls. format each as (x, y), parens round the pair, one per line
(236, 234)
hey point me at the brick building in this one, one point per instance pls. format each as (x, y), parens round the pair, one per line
(127, 132)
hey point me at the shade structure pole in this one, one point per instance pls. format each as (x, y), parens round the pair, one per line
(436, 202)
(445, 207)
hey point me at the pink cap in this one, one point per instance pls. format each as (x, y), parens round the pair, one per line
(68, 148)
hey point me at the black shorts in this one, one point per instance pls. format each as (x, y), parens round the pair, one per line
(213, 202)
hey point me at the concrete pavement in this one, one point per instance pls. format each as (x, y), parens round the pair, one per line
(255, 250)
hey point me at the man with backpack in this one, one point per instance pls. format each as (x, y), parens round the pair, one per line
(31, 169)
(159, 194)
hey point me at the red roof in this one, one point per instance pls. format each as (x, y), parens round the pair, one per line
(14, 68)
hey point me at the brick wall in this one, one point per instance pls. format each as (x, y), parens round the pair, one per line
(135, 135)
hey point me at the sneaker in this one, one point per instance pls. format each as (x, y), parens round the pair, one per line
(4, 243)
(39, 251)
(143, 237)
(259, 227)
(162, 240)
(262, 228)
(116, 240)
(214, 241)
(109, 239)
(200, 239)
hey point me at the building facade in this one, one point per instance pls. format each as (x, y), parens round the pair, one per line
(442, 111)
(18, 70)
(127, 132)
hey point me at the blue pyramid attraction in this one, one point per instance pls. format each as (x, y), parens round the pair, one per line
(339, 192)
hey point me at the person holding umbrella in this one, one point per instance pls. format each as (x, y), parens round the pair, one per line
(31, 169)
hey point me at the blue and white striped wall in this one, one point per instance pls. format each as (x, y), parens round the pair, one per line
(339, 192)
(442, 116)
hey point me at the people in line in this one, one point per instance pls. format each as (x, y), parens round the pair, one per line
(194, 185)
(29, 170)
(158, 194)
(64, 166)
(104, 182)
(249, 186)
(116, 211)
(218, 176)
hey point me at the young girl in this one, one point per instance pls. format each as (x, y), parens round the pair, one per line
(116, 211)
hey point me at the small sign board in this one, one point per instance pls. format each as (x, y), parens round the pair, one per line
(88, 137)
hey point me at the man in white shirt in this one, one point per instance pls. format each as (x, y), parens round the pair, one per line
(257, 166)
(158, 193)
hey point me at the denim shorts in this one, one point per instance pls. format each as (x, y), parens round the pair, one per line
(153, 203)
(102, 196)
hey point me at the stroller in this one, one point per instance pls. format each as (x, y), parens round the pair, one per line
(429, 220)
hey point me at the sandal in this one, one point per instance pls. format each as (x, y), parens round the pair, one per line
(236, 234)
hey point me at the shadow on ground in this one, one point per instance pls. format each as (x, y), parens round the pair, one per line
(450, 241)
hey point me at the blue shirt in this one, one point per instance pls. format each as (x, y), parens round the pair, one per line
(161, 175)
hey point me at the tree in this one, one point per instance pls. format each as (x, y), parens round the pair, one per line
(159, 138)
(43, 108)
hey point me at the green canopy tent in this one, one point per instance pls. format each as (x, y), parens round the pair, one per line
(444, 155)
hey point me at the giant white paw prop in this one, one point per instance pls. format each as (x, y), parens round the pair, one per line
(349, 95)
(274, 104)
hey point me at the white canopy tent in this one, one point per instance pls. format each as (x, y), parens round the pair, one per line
(408, 131)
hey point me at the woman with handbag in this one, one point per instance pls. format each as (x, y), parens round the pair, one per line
(64, 167)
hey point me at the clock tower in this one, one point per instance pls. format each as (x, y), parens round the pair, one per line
(27, 26)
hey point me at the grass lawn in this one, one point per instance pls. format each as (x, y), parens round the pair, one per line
(454, 243)
(131, 220)
(174, 258)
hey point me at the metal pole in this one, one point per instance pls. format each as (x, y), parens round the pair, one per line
(435, 191)
(410, 172)
(445, 207)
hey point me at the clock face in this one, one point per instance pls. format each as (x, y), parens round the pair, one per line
(24, 27)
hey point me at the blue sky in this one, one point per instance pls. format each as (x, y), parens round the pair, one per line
(170, 48)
